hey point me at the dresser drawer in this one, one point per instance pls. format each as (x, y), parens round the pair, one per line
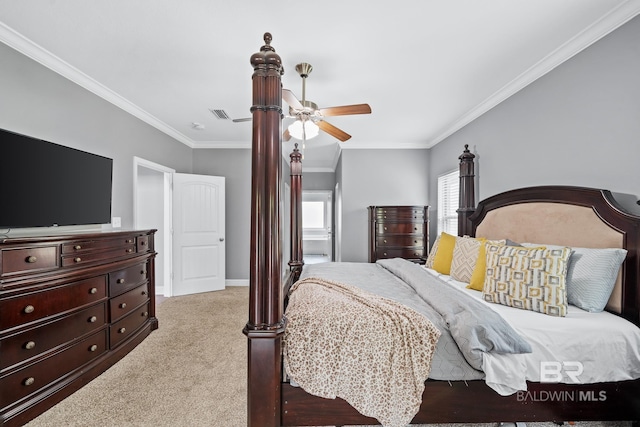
(89, 257)
(142, 243)
(407, 253)
(123, 280)
(32, 378)
(400, 213)
(400, 240)
(34, 306)
(31, 343)
(123, 328)
(24, 260)
(82, 246)
(122, 305)
(400, 228)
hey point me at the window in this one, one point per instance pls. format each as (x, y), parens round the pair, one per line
(313, 215)
(448, 202)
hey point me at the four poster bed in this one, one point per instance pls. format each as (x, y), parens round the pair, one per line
(559, 220)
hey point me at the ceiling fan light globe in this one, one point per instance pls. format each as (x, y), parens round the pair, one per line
(311, 129)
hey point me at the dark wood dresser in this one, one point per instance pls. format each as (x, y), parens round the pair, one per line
(71, 305)
(399, 232)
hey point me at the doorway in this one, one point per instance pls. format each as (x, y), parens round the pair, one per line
(317, 226)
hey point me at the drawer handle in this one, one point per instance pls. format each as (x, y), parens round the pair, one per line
(122, 330)
(129, 241)
(142, 243)
(31, 259)
(93, 348)
(29, 381)
(123, 305)
(77, 247)
(29, 309)
(120, 281)
(93, 319)
(129, 250)
(30, 345)
(385, 240)
(144, 314)
(78, 259)
(384, 253)
(385, 229)
(144, 292)
(93, 291)
(143, 272)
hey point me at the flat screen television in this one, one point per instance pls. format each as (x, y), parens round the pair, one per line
(43, 184)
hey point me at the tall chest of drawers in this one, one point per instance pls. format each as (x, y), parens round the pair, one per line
(71, 306)
(398, 232)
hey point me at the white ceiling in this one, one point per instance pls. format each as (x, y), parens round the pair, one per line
(426, 67)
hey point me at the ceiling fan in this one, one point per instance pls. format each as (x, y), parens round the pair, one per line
(310, 118)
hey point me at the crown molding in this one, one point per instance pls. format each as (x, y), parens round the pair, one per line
(18, 42)
(599, 29)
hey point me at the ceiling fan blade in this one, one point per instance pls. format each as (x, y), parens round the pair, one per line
(333, 131)
(346, 110)
(291, 99)
(246, 119)
(286, 135)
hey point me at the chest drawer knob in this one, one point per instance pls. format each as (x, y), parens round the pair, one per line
(142, 243)
(123, 305)
(31, 259)
(77, 247)
(122, 330)
(30, 345)
(120, 281)
(143, 272)
(93, 348)
(93, 319)
(93, 291)
(144, 292)
(129, 250)
(29, 309)
(77, 259)
(129, 241)
(29, 381)
(144, 313)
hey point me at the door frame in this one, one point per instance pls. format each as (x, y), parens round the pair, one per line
(165, 255)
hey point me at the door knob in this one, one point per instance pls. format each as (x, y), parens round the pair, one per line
(222, 239)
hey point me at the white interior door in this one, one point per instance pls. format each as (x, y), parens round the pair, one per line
(198, 233)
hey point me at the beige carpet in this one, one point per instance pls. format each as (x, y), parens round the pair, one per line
(191, 372)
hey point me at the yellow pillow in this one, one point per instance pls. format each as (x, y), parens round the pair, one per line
(444, 254)
(477, 277)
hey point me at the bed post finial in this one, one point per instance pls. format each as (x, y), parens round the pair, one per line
(296, 261)
(265, 326)
(467, 201)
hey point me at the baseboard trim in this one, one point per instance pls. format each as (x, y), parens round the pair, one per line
(236, 282)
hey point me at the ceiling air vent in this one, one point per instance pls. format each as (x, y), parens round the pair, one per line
(221, 114)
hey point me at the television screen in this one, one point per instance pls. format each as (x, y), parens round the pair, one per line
(43, 184)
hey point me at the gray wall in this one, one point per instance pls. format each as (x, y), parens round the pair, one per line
(37, 102)
(235, 166)
(577, 125)
(377, 177)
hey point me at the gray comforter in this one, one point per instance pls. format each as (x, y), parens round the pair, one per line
(468, 328)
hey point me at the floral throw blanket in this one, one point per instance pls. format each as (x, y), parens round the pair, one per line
(375, 353)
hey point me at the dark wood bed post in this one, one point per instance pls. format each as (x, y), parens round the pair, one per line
(266, 325)
(467, 204)
(296, 261)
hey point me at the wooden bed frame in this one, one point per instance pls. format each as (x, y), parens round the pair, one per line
(272, 402)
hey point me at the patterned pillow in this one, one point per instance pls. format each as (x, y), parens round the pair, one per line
(465, 257)
(527, 278)
(432, 253)
(591, 276)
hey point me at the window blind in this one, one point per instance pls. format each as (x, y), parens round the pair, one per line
(448, 201)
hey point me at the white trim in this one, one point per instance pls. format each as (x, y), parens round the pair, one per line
(586, 38)
(36, 52)
(236, 282)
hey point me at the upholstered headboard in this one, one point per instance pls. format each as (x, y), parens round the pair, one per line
(569, 216)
